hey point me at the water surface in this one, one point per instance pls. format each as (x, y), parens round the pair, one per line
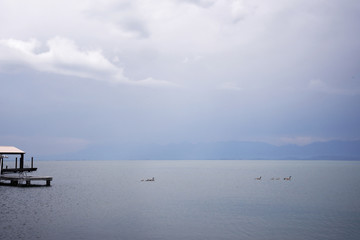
(187, 200)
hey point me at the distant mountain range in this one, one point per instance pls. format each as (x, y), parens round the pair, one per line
(331, 150)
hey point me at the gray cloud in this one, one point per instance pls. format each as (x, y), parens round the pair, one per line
(136, 26)
(201, 3)
(122, 16)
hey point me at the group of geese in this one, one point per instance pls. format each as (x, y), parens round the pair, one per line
(148, 180)
(285, 178)
(258, 178)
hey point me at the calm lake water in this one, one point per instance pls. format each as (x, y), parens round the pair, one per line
(188, 200)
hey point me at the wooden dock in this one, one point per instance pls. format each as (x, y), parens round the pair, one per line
(17, 176)
(24, 181)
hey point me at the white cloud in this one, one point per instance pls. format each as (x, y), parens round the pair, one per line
(64, 57)
(322, 86)
(231, 86)
(240, 9)
(192, 59)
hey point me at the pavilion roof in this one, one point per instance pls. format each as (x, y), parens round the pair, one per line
(10, 150)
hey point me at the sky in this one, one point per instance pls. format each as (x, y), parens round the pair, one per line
(75, 74)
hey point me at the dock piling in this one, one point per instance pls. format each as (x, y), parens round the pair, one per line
(14, 182)
(2, 164)
(22, 160)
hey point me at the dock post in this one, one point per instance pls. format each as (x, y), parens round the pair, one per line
(27, 182)
(32, 162)
(48, 182)
(16, 163)
(21, 161)
(2, 164)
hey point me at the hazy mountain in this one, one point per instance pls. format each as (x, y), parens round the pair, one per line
(332, 150)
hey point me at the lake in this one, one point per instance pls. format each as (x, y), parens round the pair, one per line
(188, 200)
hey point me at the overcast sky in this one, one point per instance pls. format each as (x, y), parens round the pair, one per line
(74, 73)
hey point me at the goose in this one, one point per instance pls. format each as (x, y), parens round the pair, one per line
(258, 178)
(287, 178)
(150, 180)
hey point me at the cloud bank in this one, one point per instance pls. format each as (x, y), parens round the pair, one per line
(63, 56)
(275, 71)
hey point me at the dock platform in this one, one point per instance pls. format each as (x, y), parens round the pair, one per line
(24, 181)
(18, 170)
